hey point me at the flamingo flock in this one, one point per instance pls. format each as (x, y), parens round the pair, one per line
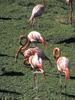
(33, 37)
(34, 56)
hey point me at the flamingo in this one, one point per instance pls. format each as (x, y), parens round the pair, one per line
(70, 4)
(39, 52)
(36, 63)
(29, 52)
(37, 11)
(62, 64)
(31, 38)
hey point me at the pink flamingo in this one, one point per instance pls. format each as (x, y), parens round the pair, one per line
(36, 63)
(29, 52)
(62, 65)
(39, 52)
(37, 11)
(32, 37)
(70, 4)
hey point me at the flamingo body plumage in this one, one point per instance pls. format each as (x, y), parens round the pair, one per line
(62, 63)
(63, 66)
(29, 52)
(37, 11)
(36, 62)
(31, 38)
(34, 36)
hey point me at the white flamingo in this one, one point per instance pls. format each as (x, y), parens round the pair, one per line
(32, 37)
(37, 11)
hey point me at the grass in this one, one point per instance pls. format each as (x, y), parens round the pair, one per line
(16, 83)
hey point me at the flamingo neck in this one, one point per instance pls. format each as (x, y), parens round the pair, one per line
(57, 58)
(24, 46)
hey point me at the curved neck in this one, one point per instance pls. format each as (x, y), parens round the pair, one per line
(57, 58)
(26, 44)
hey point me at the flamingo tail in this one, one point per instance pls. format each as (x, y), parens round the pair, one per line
(67, 74)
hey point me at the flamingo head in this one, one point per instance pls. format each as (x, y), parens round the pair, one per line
(67, 74)
(43, 41)
(56, 53)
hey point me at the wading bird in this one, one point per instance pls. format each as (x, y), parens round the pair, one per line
(32, 37)
(70, 4)
(36, 63)
(30, 51)
(37, 11)
(62, 65)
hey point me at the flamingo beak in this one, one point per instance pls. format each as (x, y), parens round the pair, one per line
(45, 44)
(42, 40)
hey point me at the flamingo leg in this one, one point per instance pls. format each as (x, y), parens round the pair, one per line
(44, 75)
(70, 18)
(35, 78)
(70, 12)
(65, 88)
(60, 85)
(33, 23)
(60, 80)
(36, 85)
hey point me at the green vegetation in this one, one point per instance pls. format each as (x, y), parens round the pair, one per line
(16, 83)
